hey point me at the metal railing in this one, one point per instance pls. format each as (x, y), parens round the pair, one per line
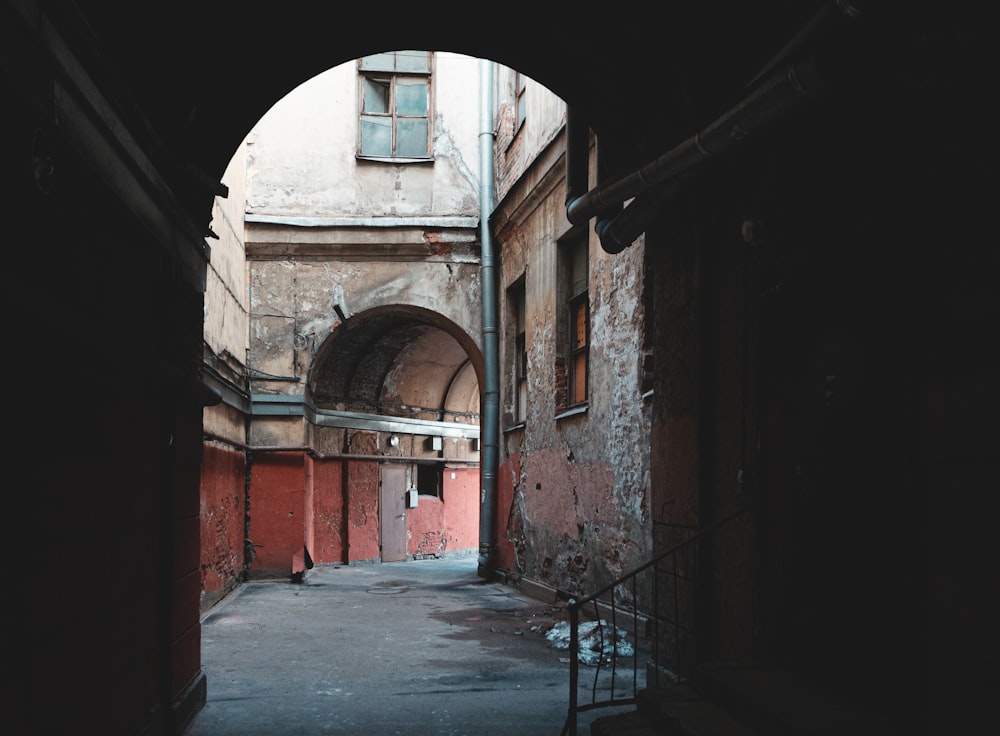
(665, 637)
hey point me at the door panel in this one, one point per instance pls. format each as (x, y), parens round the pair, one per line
(392, 513)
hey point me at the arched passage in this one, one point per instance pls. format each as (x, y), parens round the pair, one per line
(400, 361)
(364, 323)
(395, 390)
(392, 409)
(153, 117)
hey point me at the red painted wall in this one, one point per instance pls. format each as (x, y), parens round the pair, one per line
(504, 537)
(277, 512)
(295, 500)
(328, 512)
(461, 506)
(425, 527)
(362, 511)
(223, 513)
(450, 523)
(309, 535)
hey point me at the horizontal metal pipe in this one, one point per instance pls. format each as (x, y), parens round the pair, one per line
(581, 208)
(780, 93)
(316, 455)
(618, 233)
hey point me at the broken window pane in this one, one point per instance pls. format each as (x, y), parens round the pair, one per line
(401, 93)
(376, 95)
(376, 135)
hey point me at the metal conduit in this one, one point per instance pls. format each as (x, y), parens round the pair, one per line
(490, 427)
(777, 95)
(779, 88)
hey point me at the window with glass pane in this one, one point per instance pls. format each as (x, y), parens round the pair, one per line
(579, 323)
(395, 104)
(516, 299)
(522, 104)
(580, 326)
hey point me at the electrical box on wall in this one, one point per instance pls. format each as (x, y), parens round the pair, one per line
(436, 443)
(411, 498)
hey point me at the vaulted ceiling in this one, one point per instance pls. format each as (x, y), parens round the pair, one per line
(398, 361)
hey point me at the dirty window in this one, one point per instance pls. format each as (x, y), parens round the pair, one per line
(395, 105)
(578, 321)
(520, 87)
(580, 343)
(517, 309)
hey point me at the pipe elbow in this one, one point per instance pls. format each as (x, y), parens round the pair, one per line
(611, 240)
(576, 210)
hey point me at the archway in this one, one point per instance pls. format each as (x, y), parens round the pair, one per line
(407, 379)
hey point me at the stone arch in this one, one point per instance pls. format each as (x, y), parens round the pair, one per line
(358, 366)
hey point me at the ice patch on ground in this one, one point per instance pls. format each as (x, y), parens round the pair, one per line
(598, 639)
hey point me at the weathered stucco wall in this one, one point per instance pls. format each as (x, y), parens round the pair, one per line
(574, 489)
(226, 298)
(581, 495)
(277, 518)
(294, 305)
(303, 150)
(222, 517)
(329, 528)
(223, 471)
(449, 524)
(362, 511)
(516, 148)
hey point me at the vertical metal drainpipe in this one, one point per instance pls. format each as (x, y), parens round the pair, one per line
(490, 427)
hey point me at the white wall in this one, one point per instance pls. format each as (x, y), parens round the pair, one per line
(301, 156)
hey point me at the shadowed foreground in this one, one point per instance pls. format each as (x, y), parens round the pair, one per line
(425, 647)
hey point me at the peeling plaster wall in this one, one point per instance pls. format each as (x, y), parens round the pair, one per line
(362, 511)
(292, 305)
(280, 431)
(301, 151)
(223, 470)
(222, 516)
(329, 530)
(574, 491)
(277, 518)
(333, 230)
(226, 300)
(546, 116)
(449, 524)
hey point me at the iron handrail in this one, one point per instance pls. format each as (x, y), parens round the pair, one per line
(575, 606)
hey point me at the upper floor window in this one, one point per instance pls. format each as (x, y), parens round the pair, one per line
(516, 299)
(578, 354)
(395, 104)
(522, 106)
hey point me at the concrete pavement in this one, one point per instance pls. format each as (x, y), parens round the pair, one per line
(424, 647)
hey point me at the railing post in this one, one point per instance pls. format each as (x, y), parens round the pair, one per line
(574, 664)
(677, 663)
